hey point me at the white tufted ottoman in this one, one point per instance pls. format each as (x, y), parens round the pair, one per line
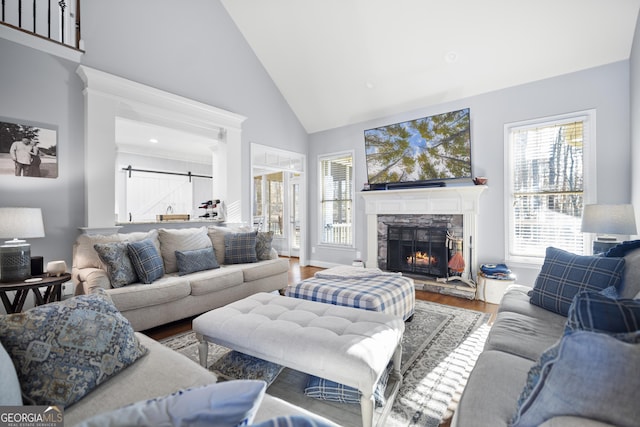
(343, 344)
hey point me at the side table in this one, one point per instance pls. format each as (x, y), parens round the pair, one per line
(22, 288)
(492, 290)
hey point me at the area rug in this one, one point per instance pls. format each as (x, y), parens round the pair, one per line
(440, 347)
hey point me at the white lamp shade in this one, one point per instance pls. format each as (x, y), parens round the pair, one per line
(21, 223)
(609, 219)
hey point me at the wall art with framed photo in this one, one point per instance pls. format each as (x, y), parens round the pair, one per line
(28, 149)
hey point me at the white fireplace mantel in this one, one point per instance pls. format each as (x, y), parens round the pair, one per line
(454, 200)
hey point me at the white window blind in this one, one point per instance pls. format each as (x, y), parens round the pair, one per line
(546, 186)
(336, 184)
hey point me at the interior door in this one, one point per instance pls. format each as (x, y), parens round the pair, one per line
(294, 214)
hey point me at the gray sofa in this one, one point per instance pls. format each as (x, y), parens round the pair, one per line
(174, 296)
(520, 334)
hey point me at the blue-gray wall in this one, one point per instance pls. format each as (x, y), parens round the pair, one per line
(604, 88)
(195, 51)
(635, 122)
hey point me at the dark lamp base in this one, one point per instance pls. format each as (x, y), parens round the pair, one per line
(15, 263)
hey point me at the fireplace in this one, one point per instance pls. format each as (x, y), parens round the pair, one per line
(460, 203)
(418, 250)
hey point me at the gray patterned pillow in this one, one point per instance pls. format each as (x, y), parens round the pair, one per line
(239, 366)
(240, 248)
(196, 260)
(63, 350)
(119, 267)
(263, 245)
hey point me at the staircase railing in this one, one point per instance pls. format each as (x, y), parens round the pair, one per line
(58, 21)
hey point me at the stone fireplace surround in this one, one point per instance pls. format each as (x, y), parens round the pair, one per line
(452, 200)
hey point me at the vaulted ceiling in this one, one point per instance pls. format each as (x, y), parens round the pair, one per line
(339, 62)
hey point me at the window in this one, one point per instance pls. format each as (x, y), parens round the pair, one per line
(336, 189)
(550, 177)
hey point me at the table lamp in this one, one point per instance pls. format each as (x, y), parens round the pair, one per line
(608, 220)
(15, 255)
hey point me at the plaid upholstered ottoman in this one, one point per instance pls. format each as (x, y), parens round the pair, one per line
(365, 288)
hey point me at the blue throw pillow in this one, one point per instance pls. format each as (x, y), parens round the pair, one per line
(564, 274)
(592, 311)
(196, 260)
(587, 374)
(146, 260)
(119, 266)
(292, 421)
(231, 403)
(623, 248)
(240, 248)
(63, 350)
(320, 388)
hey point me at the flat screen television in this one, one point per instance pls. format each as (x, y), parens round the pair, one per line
(425, 151)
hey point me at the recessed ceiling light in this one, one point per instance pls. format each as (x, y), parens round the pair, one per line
(451, 57)
(369, 85)
(153, 141)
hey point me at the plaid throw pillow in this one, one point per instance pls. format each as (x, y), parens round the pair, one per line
(323, 389)
(146, 260)
(240, 248)
(564, 274)
(592, 311)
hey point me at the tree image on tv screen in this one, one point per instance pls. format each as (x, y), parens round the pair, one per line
(430, 148)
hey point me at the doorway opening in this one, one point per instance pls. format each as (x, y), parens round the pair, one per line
(278, 198)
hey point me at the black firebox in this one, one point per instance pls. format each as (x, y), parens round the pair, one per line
(418, 250)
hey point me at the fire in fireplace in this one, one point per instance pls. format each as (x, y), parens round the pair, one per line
(418, 250)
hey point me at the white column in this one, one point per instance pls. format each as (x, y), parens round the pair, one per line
(100, 159)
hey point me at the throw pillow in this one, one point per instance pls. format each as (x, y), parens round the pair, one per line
(324, 389)
(292, 421)
(564, 274)
(196, 260)
(226, 404)
(146, 260)
(115, 257)
(216, 235)
(239, 366)
(63, 350)
(10, 390)
(240, 248)
(592, 311)
(263, 245)
(185, 239)
(623, 248)
(587, 374)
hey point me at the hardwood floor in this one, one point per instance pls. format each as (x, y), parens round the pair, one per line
(298, 273)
